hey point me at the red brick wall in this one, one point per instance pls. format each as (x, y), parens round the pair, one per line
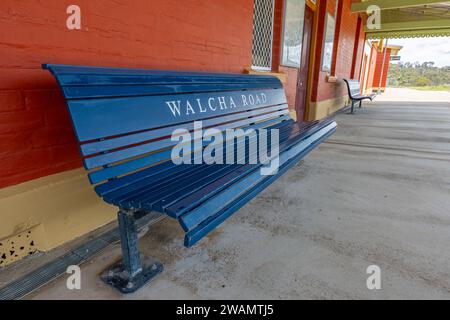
(36, 137)
(277, 33)
(344, 50)
(290, 87)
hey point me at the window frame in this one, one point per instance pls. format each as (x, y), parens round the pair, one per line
(282, 63)
(335, 17)
(322, 66)
(261, 68)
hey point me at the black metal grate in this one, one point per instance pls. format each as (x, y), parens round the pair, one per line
(262, 34)
(57, 268)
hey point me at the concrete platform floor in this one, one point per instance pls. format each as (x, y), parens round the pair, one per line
(376, 193)
(413, 95)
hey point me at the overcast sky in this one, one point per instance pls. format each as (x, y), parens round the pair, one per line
(425, 49)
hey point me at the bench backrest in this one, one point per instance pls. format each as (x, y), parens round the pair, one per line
(353, 87)
(123, 118)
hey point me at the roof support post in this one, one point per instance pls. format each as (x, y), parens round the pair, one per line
(382, 66)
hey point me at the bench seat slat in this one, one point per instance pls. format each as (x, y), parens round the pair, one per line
(101, 118)
(199, 188)
(218, 202)
(130, 200)
(151, 193)
(85, 75)
(141, 149)
(137, 185)
(181, 187)
(117, 184)
(115, 143)
(135, 164)
(146, 186)
(363, 97)
(61, 70)
(204, 174)
(115, 189)
(80, 80)
(129, 166)
(89, 92)
(146, 197)
(206, 226)
(153, 176)
(195, 199)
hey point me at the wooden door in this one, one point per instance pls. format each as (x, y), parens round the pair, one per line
(302, 81)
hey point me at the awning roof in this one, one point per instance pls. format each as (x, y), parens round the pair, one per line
(408, 18)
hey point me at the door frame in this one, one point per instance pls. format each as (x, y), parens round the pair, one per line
(314, 7)
(306, 97)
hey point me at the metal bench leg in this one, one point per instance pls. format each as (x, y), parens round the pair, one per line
(360, 104)
(132, 272)
(353, 105)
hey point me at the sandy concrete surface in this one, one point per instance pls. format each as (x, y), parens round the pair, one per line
(377, 193)
(406, 94)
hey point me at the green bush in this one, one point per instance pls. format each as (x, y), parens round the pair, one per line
(418, 75)
(422, 81)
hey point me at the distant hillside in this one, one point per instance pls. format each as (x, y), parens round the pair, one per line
(419, 75)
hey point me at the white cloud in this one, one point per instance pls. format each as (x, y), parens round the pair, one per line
(425, 49)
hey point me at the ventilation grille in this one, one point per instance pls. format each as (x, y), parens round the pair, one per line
(262, 34)
(17, 247)
(56, 268)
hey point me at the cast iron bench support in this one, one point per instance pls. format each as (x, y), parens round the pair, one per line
(133, 271)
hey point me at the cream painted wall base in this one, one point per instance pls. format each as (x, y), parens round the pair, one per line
(321, 109)
(44, 213)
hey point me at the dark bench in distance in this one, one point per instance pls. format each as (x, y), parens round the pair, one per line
(123, 120)
(354, 93)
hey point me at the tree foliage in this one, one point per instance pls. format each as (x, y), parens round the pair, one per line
(418, 75)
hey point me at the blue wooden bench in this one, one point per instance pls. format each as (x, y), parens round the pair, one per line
(354, 93)
(123, 120)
